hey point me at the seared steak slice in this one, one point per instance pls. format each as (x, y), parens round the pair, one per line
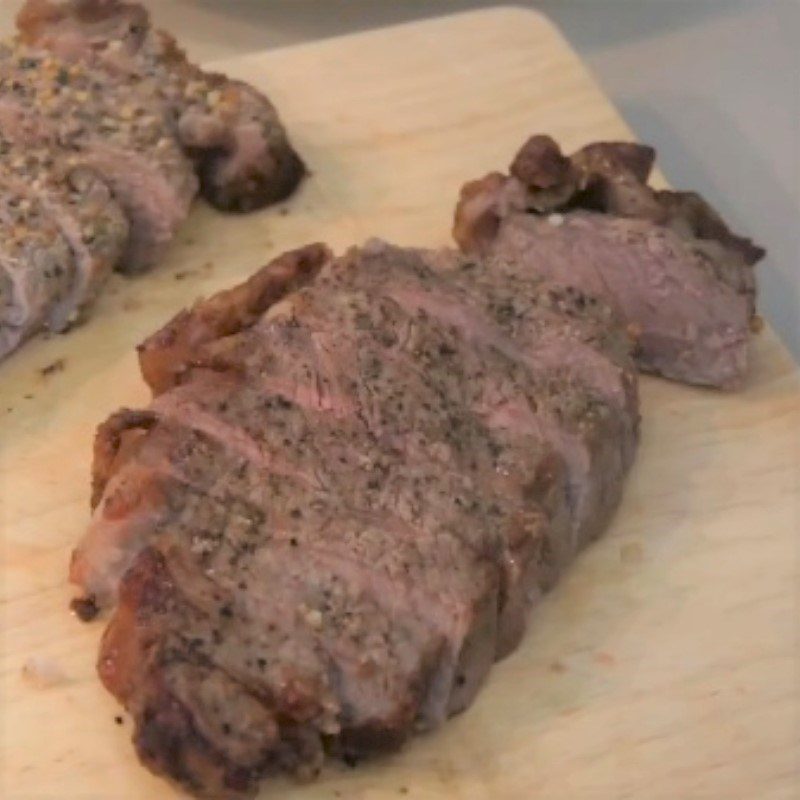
(502, 304)
(521, 387)
(231, 685)
(593, 468)
(233, 132)
(123, 137)
(79, 202)
(294, 498)
(342, 458)
(105, 128)
(355, 479)
(37, 269)
(410, 572)
(691, 325)
(664, 260)
(429, 439)
(563, 391)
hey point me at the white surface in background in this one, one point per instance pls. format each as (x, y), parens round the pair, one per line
(713, 84)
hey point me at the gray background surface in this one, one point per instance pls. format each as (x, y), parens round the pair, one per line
(713, 84)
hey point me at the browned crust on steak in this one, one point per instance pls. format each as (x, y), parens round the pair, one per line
(113, 443)
(166, 737)
(234, 184)
(706, 223)
(165, 355)
(122, 136)
(610, 177)
(549, 176)
(478, 214)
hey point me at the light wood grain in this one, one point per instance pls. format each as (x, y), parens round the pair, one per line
(666, 663)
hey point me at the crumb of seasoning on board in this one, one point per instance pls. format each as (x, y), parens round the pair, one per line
(131, 304)
(404, 790)
(184, 273)
(84, 608)
(558, 666)
(118, 719)
(283, 211)
(42, 673)
(51, 369)
(29, 397)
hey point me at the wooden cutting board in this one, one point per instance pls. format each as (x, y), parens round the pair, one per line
(666, 663)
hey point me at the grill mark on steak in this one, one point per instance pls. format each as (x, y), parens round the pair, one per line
(338, 510)
(665, 260)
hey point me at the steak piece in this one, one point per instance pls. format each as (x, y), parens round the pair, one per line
(121, 136)
(557, 396)
(77, 234)
(109, 131)
(355, 479)
(37, 269)
(664, 260)
(80, 203)
(241, 150)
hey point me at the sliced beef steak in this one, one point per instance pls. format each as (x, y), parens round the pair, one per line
(110, 132)
(80, 203)
(243, 155)
(664, 260)
(121, 136)
(690, 325)
(37, 268)
(55, 203)
(355, 479)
